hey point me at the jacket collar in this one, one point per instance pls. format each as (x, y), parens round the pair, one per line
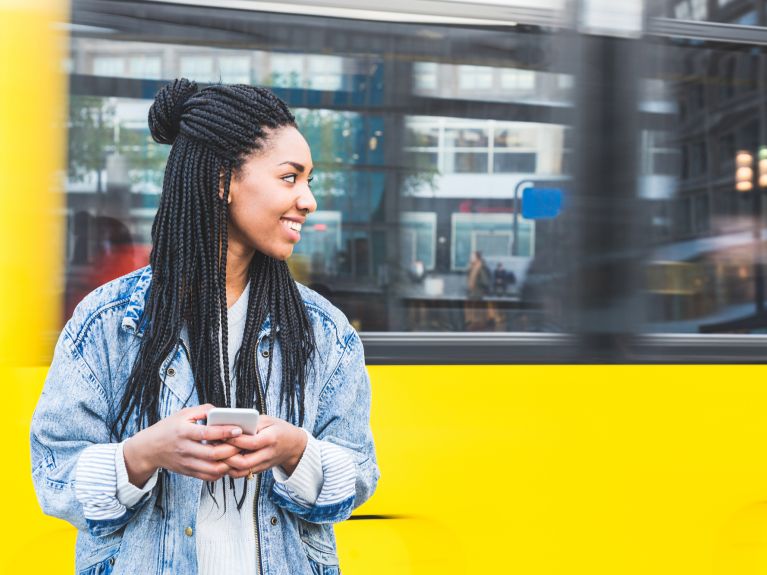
(134, 311)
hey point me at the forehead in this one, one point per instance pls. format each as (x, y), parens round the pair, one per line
(288, 145)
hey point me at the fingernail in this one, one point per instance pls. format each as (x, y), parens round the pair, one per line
(236, 431)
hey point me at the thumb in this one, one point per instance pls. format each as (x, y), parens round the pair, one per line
(265, 421)
(198, 412)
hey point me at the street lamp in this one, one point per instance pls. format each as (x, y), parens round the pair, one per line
(744, 171)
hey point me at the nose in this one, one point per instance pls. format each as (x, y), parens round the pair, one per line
(306, 202)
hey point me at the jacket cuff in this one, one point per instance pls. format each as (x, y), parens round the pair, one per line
(127, 493)
(96, 482)
(306, 481)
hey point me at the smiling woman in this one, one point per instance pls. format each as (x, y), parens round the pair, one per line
(146, 356)
(270, 196)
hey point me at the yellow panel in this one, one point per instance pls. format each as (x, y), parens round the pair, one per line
(32, 118)
(568, 469)
(26, 535)
(524, 469)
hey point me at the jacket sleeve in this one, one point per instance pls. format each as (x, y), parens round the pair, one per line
(71, 419)
(349, 469)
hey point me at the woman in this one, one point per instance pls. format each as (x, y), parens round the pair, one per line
(477, 314)
(216, 319)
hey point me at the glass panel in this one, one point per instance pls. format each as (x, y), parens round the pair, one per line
(234, 69)
(420, 159)
(507, 163)
(702, 273)
(741, 12)
(197, 68)
(466, 162)
(146, 67)
(115, 173)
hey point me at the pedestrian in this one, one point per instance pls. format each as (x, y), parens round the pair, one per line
(477, 314)
(215, 320)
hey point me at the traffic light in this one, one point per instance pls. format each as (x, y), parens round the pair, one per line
(763, 167)
(744, 171)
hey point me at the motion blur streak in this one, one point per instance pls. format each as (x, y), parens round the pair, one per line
(32, 106)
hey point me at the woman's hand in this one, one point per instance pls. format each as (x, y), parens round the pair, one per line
(276, 442)
(175, 443)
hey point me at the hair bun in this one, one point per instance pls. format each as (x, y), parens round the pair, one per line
(165, 114)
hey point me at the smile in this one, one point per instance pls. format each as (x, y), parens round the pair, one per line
(295, 226)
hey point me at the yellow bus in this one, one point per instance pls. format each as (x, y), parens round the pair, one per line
(598, 407)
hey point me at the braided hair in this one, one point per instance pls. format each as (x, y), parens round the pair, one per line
(212, 132)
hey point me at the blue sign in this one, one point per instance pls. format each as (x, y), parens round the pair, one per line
(541, 203)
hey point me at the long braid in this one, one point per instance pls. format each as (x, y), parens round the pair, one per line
(212, 133)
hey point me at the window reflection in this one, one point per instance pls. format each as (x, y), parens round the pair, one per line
(701, 275)
(419, 224)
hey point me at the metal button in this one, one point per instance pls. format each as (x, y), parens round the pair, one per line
(188, 531)
(171, 372)
(265, 353)
(111, 561)
(273, 520)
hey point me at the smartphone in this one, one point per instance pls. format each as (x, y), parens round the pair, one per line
(244, 418)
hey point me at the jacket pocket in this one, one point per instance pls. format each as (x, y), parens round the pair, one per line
(103, 562)
(319, 548)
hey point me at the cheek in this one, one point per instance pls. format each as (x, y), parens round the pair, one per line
(249, 221)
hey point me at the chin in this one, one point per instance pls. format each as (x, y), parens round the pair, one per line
(281, 255)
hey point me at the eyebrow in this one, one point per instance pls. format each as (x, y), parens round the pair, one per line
(299, 167)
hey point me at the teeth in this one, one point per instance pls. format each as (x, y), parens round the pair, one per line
(295, 226)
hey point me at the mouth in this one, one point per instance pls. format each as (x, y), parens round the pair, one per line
(291, 225)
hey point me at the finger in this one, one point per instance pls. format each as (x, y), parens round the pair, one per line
(247, 442)
(222, 451)
(197, 412)
(209, 453)
(238, 462)
(200, 466)
(237, 474)
(211, 432)
(249, 461)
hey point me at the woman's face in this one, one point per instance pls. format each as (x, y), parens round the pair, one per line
(270, 197)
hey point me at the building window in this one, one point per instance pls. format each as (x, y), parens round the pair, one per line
(425, 76)
(509, 162)
(234, 69)
(325, 72)
(491, 234)
(419, 233)
(145, 67)
(109, 66)
(287, 70)
(475, 77)
(518, 80)
(197, 68)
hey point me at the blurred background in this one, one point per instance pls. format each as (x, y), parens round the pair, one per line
(499, 182)
(588, 152)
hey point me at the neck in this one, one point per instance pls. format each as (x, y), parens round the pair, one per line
(237, 262)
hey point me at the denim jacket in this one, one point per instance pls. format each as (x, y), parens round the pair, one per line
(91, 363)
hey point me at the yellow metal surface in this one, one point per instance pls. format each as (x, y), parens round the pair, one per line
(32, 118)
(32, 112)
(525, 469)
(567, 469)
(507, 469)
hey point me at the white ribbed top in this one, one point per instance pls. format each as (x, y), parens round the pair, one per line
(226, 539)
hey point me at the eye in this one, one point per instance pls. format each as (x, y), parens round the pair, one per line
(290, 178)
(310, 180)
